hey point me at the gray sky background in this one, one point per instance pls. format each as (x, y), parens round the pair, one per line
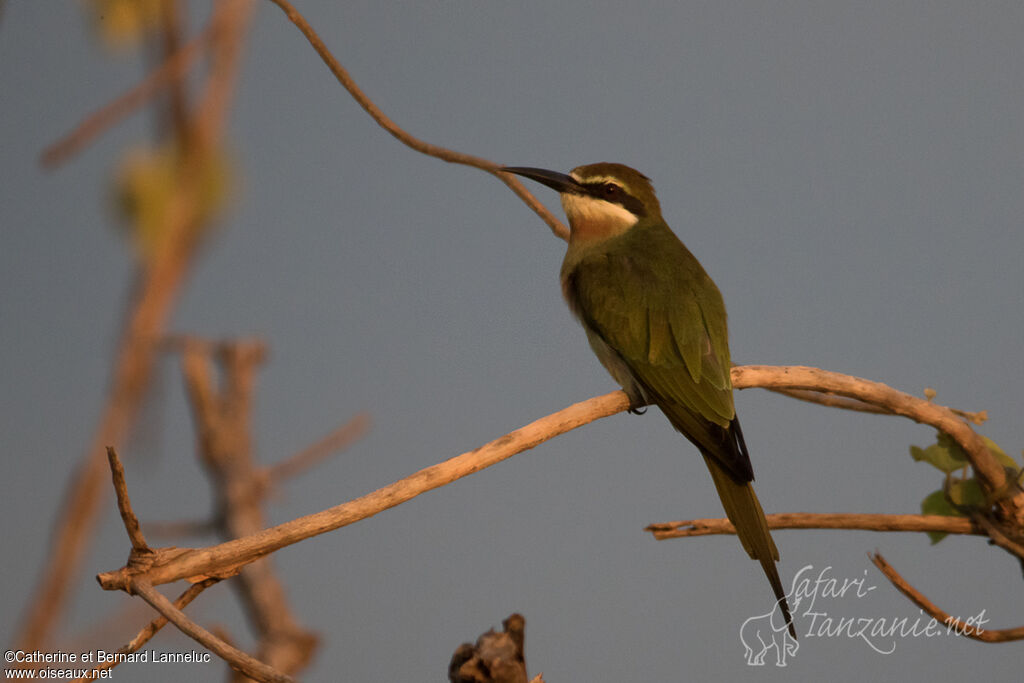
(849, 173)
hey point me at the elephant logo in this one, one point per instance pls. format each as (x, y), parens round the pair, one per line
(763, 632)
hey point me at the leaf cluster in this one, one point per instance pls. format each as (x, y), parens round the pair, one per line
(960, 495)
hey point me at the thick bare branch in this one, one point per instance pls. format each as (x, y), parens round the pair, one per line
(1007, 495)
(227, 557)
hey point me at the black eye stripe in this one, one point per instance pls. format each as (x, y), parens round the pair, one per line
(615, 193)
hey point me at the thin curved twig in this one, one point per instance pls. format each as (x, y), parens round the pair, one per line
(442, 153)
(955, 625)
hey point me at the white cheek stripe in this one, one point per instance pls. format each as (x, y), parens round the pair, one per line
(583, 209)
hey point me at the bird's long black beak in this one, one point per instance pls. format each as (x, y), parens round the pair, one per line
(559, 182)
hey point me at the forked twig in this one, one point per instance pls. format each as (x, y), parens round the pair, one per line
(237, 659)
(153, 627)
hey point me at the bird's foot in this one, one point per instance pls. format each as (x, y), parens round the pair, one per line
(637, 406)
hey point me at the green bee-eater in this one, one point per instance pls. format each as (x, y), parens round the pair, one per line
(657, 323)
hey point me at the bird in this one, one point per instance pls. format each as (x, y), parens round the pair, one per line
(657, 322)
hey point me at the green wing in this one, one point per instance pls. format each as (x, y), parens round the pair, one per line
(655, 312)
(651, 302)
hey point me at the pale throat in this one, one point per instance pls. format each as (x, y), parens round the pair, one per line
(595, 220)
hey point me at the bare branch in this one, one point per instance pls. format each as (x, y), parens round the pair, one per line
(830, 400)
(405, 138)
(812, 520)
(230, 24)
(153, 627)
(227, 557)
(181, 528)
(237, 659)
(222, 413)
(173, 68)
(997, 536)
(124, 504)
(337, 440)
(176, 115)
(954, 624)
(1005, 492)
(156, 291)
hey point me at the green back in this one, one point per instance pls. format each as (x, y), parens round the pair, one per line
(646, 296)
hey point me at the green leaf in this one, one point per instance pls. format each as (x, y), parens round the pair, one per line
(935, 503)
(1000, 454)
(940, 455)
(952, 447)
(947, 455)
(967, 493)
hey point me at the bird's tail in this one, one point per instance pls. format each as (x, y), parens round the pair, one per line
(745, 513)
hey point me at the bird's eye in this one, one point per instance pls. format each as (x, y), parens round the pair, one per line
(610, 190)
